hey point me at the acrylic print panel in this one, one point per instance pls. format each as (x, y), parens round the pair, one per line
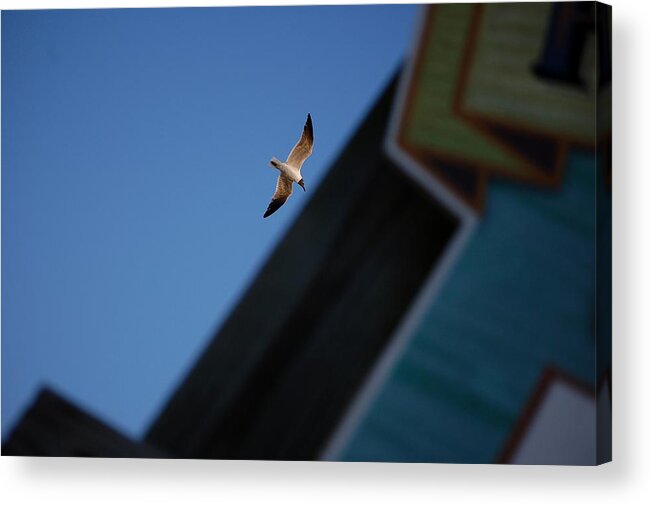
(430, 281)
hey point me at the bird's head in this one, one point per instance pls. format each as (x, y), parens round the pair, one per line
(301, 184)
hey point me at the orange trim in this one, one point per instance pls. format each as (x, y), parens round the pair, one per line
(475, 201)
(415, 77)
(549, 375)
(535, 177)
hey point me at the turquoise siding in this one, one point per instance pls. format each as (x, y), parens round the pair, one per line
(521, 297)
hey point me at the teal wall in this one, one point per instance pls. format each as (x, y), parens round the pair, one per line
(519, 299)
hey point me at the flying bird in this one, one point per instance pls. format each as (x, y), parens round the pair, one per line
(290, 170)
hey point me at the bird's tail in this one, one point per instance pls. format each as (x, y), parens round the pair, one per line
(275, 163)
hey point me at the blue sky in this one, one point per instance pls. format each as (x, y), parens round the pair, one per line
(135, 146)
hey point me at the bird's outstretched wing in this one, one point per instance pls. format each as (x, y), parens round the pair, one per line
(282, 193)
(303, 147)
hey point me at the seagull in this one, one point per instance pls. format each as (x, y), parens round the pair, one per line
(290, 171)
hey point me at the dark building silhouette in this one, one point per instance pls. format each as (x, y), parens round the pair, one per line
(52, 426)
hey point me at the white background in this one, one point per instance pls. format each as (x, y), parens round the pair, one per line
(627, 480)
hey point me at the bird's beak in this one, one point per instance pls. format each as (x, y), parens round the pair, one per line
(301, 184)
